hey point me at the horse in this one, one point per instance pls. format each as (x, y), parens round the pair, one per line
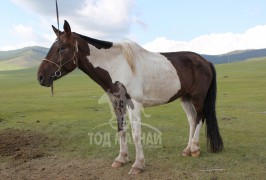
(135, 78)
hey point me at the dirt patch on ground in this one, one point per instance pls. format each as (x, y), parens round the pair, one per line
(26, 155)
(64, 168)
(21, 145)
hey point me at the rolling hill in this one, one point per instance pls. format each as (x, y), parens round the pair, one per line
(236, 56)
(32, 56)
(22, 58)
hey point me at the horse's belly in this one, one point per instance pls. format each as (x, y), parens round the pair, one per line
(160, 84)
(160, 94)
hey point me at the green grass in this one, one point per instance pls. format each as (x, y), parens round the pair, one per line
(6, 66)
(74, 111)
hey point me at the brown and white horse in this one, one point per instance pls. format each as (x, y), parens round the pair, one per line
(146, 79)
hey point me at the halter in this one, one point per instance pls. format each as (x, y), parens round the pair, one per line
(60, 65)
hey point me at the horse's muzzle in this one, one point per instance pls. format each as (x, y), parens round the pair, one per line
(47, 82)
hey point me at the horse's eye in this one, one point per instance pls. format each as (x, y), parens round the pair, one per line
(61, 50)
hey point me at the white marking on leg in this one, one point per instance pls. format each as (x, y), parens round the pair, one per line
(195, 139)
(123, 153)
(135, 120)
(191, 116)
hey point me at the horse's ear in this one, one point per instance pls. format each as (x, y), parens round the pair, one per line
(57, 31)
(67, 28)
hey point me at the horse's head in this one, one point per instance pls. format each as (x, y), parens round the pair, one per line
(61, 58)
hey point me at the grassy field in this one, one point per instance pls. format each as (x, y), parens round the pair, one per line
(67, 118)
(6, 66)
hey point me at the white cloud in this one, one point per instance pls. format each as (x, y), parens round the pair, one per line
(98, 18)
(216, 43)
(102, 19)
(106, 12)
(111, 20)
(27, 36)
(23, 31)
(47, 8)
(17, 45)
(23, 36)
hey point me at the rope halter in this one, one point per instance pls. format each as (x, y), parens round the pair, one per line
(58, 72)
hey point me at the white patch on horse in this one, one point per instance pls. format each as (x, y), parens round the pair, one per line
(148, 77)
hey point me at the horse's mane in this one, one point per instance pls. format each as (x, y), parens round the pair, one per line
(128, 52)
(97, 43)
(126, 47)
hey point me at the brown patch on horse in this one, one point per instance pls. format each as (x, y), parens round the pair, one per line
(190, 66)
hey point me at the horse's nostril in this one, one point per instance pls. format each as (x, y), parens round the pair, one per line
(41, 79)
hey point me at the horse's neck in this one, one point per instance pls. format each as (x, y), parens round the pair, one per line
(96, 63)
(103, 57)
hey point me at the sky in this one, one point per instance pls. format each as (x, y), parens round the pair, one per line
(206, 26)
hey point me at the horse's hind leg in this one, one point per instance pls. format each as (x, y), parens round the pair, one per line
(198, 103)
(193, 108)
(191, 115)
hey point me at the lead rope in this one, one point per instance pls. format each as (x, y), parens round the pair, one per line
(58, 36)
(52, 90)
(57, 16)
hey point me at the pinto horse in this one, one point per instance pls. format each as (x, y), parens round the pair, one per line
(145, 79)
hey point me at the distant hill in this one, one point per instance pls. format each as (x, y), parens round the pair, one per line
(32, 56)
(22, 58)
(236, 56)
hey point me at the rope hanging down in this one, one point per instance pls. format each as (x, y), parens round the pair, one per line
(57, 16)
(58, 36)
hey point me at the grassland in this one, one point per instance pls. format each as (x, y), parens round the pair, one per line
(74, 111)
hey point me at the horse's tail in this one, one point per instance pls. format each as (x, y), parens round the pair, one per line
(214, 139)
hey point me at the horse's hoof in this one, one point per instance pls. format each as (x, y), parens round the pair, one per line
(195, 153)
(117, 164)
(186, 153)
(135, 171)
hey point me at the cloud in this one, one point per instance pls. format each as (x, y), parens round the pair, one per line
(97, 18)
(215, 43)
(23, 31)
(27, 36)
(111, 19)
(47, 8)
(102, 19)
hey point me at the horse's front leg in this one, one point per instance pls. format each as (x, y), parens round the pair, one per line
(120, 111)
(135, 120)
(122, 158)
